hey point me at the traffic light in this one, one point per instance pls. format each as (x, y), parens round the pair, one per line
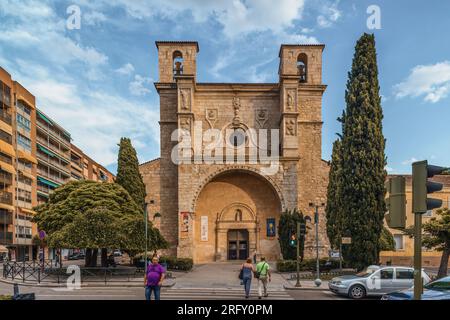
(293, 239)
(302, 229)
(421, 171)
(396, 203)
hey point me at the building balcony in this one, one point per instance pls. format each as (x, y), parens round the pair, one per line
(6, 178)
(6, 238)
(62, 152)
(5, 117)
(6, 197)
(56, 135)
(6, 217)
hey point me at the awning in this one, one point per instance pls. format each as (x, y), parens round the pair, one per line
(48, 182)
(45, 118)
(23, 155)
(6, 127)
(52, 154)
(7, 207)
(7, 167)
(42, 194)
(27, 174)
(26, 101)
(7, 148)
(29, 211)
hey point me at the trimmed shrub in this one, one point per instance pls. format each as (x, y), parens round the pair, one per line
(306, 265)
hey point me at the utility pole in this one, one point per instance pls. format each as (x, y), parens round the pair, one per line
(298, 255)
(146, 236)
(318, 282)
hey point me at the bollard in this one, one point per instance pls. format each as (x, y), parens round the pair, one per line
(16, 289)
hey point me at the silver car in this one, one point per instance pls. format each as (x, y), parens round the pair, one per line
(375, 281)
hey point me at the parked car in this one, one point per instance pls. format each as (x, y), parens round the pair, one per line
(436, 290)
(73, 257)
(375, 281)
(117, 253)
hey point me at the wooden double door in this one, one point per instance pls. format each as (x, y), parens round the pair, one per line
(238, 246)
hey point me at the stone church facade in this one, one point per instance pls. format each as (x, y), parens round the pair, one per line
(225, 211)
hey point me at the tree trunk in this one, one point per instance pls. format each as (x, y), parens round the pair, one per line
(94, 258)
(88, 258)
(444, 263)
(104, 254)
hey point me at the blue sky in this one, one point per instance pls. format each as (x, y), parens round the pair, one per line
(97, 81)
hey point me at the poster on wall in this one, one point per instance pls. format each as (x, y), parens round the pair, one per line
(184, 222)
(271, 231)
(204, 228)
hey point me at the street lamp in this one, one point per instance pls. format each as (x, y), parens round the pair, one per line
(318, 282)
(146, 235)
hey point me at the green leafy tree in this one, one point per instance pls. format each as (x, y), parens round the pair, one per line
(128, 175)
(333, 207)
(93, 215)
(288, 223)
(363, 158)
(387, 242)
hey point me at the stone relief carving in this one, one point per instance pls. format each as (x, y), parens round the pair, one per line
(290, 127)
(185, 124)
(185, 99)
(262, 116)
(290, 100)
(237, 108)
(212, 116)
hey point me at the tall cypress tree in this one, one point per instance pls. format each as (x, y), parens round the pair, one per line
(363, 158)
(128, 175)
(333, 207)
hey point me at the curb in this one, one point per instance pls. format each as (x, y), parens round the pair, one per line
(83, 285)
(303, 288)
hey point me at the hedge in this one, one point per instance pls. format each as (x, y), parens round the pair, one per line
(173, 263)
(306, 265)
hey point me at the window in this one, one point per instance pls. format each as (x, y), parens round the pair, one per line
(177, 63)
(25, 180)
(398, 238)
(24, 108)
(24, 195)
(24, 142)
(404, 274)
(23, 122)
(5, 96)
(302, 61)
(387, 274)
(5, 137)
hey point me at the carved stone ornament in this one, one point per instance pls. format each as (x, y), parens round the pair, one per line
(185, 99)
(212, 116)
(290, 105)
(185, 125)
(290, 127)
(237, 108)
(262, 115)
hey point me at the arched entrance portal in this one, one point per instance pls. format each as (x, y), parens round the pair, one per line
(232, 215)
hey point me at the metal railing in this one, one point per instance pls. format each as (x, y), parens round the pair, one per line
(38, 272)
(6, 197)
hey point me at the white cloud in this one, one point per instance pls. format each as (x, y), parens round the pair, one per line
(329, 15)
(139, 86)
(126, 69)
(389, 169)
(430, 81)
(94, 18)
(409, 161)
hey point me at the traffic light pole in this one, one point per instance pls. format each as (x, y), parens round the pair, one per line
(417, 256)
(298, 255)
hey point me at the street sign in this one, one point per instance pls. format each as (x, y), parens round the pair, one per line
(334, 254)
(346, 240)
(42, 234)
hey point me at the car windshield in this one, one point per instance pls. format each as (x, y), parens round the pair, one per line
(439, 285)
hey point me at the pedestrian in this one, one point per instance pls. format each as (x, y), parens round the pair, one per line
(154, 277)
(264, 276)
(56, 259)
(246, 274)
(255, 253)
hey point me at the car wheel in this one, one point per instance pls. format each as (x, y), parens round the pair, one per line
(357, 292)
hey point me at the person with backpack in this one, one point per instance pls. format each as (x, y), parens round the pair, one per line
(154, 277)
(263, 275)
(246, 275)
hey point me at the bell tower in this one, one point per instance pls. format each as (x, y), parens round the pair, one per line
(177, 59)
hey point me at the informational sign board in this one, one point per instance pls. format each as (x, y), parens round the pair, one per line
(204, 228)
(271, 231)
(346, 240)
(334, 254)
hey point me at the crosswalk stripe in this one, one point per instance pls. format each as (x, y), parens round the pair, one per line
(219, 294)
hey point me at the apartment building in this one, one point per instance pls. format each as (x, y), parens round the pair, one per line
(53, 154)
(36, 157)
(18, 165)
